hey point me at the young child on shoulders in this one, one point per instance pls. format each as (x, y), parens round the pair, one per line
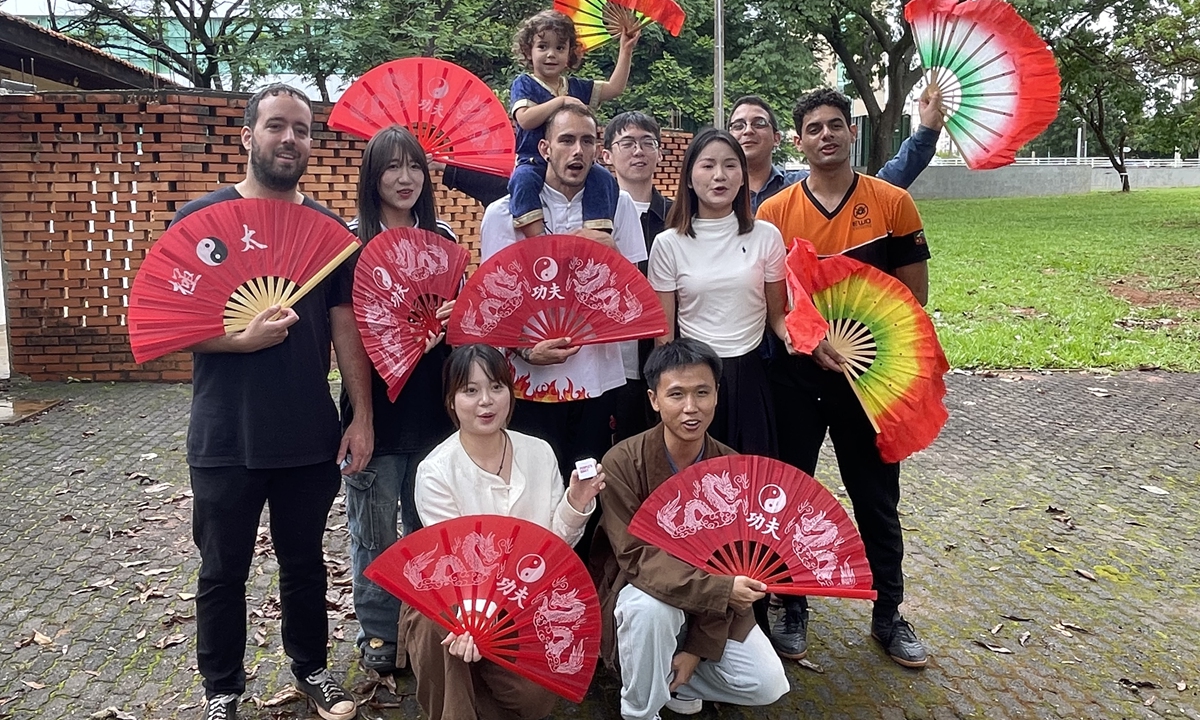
(546, 44)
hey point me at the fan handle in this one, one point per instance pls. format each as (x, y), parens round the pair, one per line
(857, 394)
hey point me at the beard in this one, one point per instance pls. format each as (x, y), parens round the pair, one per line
(271, 177)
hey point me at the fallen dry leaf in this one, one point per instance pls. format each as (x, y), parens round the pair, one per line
(1181, 686)
(1073, 626)
(1150, 700)
(1099, 392)
(1062, 630)
(155, 571)
(141, 634)
(187, 596)
(147, 456)
(997, 628)
(1085, 574)
(284, 696)
(1154, 490)
(1022, 506)
(1055, 510)
(1000, 649)
(34, 685)
(1136, 685)
(993, 568)
(111, 713)
(1023, 639)
(1017, 618)
(1052, 548)
(41, 639)
(170, 640)
(802, 662)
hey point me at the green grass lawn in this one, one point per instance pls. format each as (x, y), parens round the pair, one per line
(1048, 282)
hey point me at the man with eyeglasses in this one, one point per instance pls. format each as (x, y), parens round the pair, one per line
(632, 147)
(752, 123)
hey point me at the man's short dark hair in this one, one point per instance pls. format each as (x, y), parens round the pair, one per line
(683, 352)
(758, 102)
(819, 98)
(626, 120)
(572, 109)
(251, 116)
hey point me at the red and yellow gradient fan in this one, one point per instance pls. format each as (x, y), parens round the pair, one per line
(556, 286)
(895, 364)
(758, 517)
(402, 278)
(599, 21)
(212, 272)
(998, 79)
(453, 114)
(520, 591)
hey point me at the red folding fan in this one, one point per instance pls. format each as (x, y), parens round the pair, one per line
(998, 79)
(214, 271)
(758, 517)
(555, 286)
(453, 114)
(520, 591)
(402, 278)
(895, 364)
(599, 21)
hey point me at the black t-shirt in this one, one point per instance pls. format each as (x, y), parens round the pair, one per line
(417, 421)
(271, 408)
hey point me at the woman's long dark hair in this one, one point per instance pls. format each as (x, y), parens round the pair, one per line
(383, 148)
(686, 204)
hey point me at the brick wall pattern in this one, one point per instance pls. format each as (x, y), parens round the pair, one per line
(88, 181)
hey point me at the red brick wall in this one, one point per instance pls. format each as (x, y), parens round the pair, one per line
(89, 180)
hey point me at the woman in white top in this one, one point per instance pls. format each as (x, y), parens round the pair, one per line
(719, 274)
(486, 469)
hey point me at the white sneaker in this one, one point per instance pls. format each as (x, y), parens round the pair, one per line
(684, 707)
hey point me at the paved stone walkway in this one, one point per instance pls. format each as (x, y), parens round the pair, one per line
(1055, 521)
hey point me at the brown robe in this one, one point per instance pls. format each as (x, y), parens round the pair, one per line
(635, 467)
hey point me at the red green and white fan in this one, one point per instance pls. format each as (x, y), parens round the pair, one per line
(555, 286)
(453, 114)
(998, 79)
(517, 588)
(599, 21)
(403, 276)
(212, 272)
(895, 364)
(758, 517)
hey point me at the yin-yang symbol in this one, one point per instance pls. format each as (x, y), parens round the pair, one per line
(438, 87)
(545, 268)
(772, 498)
(531, 568)
(211, 251)
(382, 278)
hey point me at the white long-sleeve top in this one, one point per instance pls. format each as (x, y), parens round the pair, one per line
(450, 485)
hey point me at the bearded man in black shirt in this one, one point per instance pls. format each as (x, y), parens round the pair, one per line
(264, 430)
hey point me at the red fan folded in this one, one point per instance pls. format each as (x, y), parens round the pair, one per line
(453, 114)
(214, 271)
(555, 286)
(402, 278)
(520, 591)
(758, 517)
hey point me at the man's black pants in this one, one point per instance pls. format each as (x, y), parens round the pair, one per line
(810, 401)
(226, 508)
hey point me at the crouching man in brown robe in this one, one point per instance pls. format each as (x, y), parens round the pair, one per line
(679, 634)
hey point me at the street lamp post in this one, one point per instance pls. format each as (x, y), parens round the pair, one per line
(719, 64)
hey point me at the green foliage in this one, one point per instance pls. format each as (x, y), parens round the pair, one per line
(1042, 282)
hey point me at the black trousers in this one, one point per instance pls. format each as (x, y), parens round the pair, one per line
(226, 507)
(810, 401)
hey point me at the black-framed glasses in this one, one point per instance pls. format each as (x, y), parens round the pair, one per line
(647, 144)
(756, 123)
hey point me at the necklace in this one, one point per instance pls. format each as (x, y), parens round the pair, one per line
(503, 454)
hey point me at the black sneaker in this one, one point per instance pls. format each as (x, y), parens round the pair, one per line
(333, 702)
(900, 641)
(221, 707)
(789, 634)
(378, 655)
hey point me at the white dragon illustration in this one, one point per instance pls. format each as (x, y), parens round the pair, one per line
(558, 615)
(472, 559)
(816, 541)
(503, 291)
(419, 260)
(594, 285)
(716, 502)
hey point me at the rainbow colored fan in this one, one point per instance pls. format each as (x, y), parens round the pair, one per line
(894, 362)
(599, 21)
(998, 79)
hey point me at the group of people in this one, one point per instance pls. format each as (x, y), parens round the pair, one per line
(469, 435)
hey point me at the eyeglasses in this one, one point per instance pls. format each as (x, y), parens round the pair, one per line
(647, 144)
(756, 123)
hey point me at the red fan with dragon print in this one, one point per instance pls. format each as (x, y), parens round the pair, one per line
(212, 272)
(556, 286)
(758, 517)
(402, 278)
(454, 115)
(517, 588)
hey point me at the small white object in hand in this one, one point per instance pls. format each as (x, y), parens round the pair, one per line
(586, 468)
